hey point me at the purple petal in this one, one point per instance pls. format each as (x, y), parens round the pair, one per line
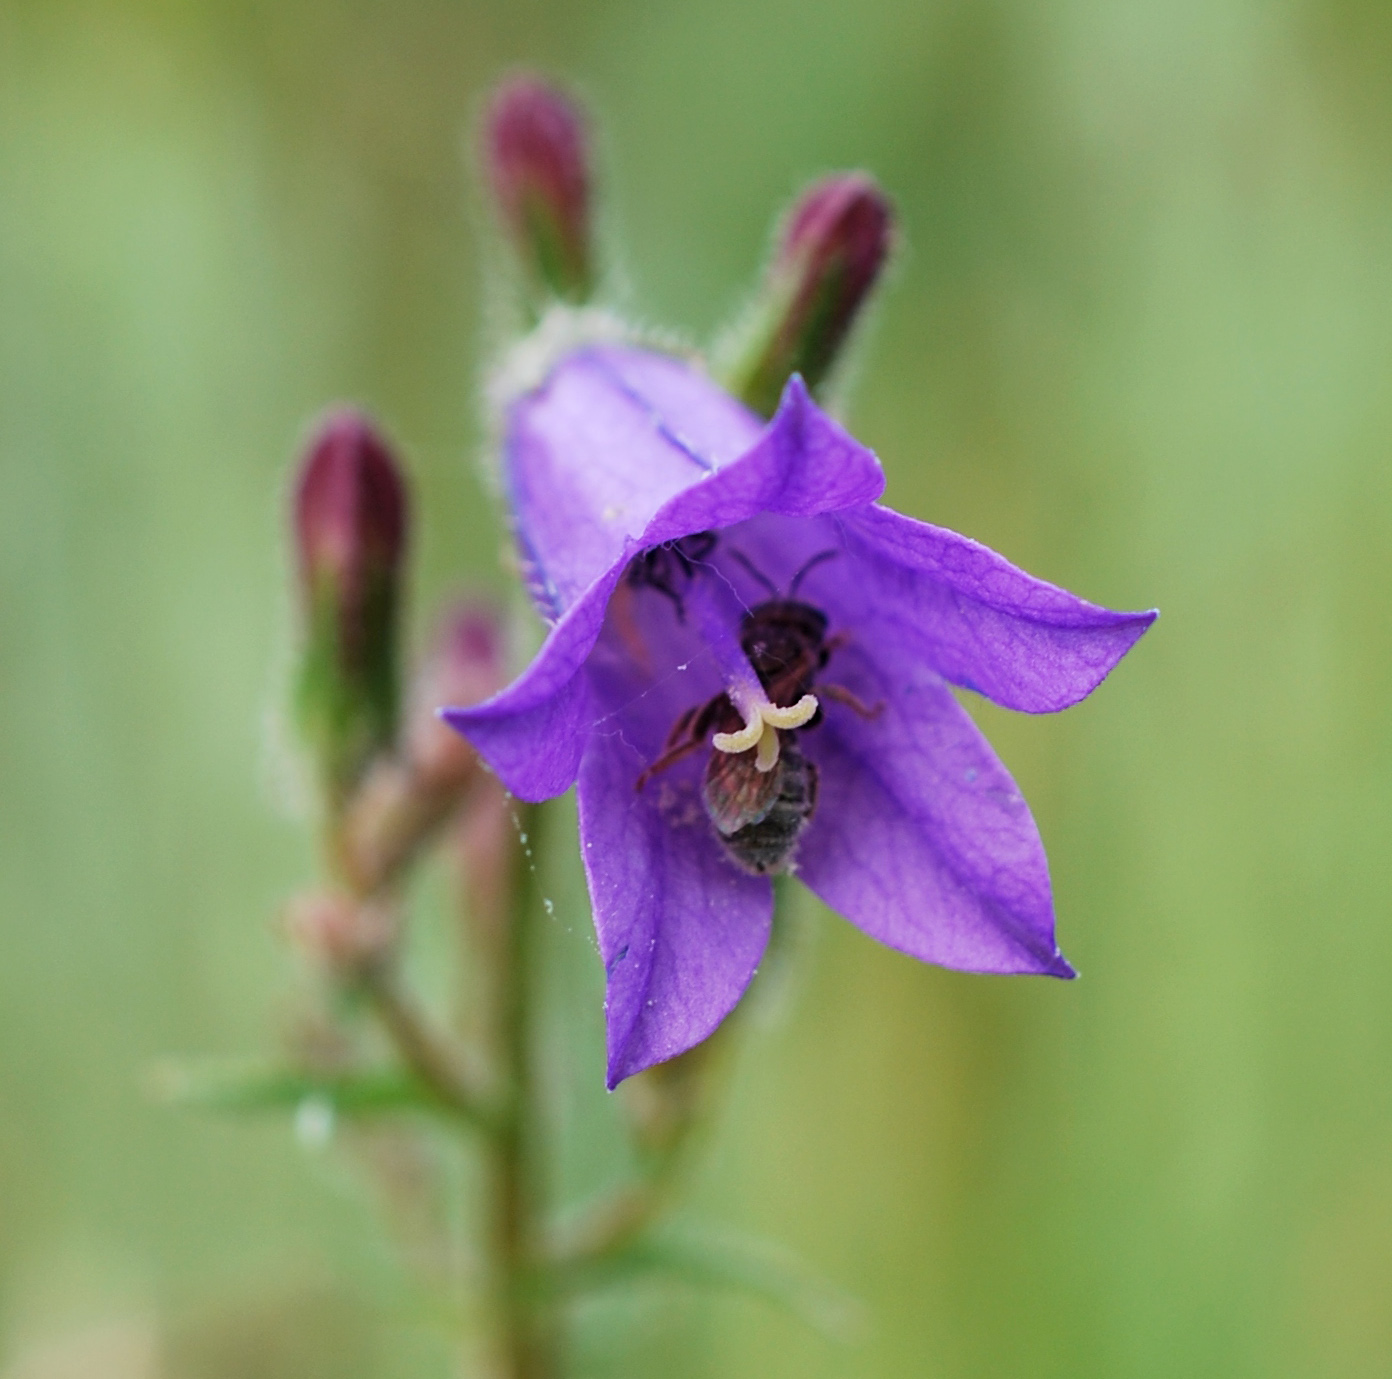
(921, 837)
(802, 465)
(975, 618)
(594, 453)
(681, 929)
(533, 732)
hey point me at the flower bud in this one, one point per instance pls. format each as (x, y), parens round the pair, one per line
(830, 252)
(535, 159)
(350, 536)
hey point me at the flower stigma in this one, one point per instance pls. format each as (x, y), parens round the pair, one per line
(717, 615)
(762, 720)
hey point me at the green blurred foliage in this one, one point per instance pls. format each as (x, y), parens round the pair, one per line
(1140, 340)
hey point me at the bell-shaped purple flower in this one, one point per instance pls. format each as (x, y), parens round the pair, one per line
(748, 670)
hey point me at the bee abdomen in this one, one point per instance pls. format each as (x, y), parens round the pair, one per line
(766, 847)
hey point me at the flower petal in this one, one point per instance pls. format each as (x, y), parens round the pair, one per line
(802, 465)
(978, 620)
(921, 837)
(681, 929)
(533, 732)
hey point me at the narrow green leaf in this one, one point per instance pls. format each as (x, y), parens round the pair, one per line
(240, 1085)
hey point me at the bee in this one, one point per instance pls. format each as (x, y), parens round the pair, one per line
(778, 805)
(669, 568)
(759, 816)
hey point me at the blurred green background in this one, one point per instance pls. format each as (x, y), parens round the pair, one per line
(1140, 340)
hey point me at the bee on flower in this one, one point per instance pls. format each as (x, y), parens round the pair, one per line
(750, 660)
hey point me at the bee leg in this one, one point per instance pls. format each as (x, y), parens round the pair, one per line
(829, 647)
(654, 571)
(688, 733)
(665, 587)
(844, 696)
(792, 683)
(700, 546)
(684, 727)
(670, 758)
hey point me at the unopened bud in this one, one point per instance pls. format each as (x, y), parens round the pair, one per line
(830, 252)
(535, 158)
(350, 535)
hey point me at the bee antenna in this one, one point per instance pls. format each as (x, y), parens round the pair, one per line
(754, 570)
(807, 569)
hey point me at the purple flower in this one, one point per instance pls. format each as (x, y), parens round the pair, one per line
(748, 670)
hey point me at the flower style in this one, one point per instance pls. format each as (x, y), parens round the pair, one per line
(748, 670)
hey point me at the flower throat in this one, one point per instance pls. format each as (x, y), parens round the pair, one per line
(758, 789)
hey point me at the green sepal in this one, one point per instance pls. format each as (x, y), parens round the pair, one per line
(559, 269)
(347, 695)
(772, 353)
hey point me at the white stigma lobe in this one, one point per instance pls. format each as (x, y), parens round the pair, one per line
(761, 723)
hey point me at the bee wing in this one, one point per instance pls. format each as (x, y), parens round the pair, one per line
(736, 793)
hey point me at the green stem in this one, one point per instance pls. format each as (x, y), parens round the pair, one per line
(525, 1332)
(441, 1063)
(614, 1222)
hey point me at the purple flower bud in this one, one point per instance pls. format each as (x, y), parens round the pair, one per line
(535, 157)
(830, 252)
(350, 503)
(350, 526)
